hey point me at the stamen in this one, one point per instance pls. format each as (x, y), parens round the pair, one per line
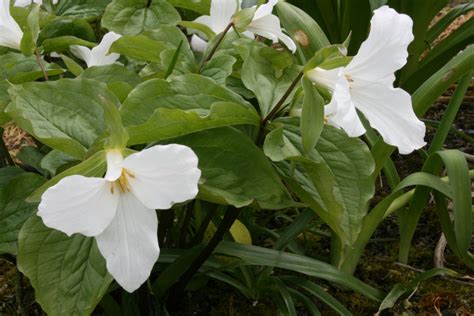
(122, 181)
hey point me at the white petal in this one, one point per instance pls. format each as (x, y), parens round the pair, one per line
(386, 49)
(100, 54)
(222, 12)
(78, 204)
(114, 164)
(269, 27)
(390, 112)
(198, 44)
(130, 244)
(163, 175)
(81, 52)
(10, 31)
(341, 111)
(265, 9)
(326, 78)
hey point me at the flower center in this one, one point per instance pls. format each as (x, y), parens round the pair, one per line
(122, 182)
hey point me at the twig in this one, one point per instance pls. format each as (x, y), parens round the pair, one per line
(40, 63)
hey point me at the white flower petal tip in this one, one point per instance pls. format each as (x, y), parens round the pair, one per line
(198, 44)
(163, 175)
(130, 244)
(24, 3)
(78, 204)
(99, 55)
(366, 84)
(10, 32)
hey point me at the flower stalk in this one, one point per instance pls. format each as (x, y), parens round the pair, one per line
(214, 49)
(41, 65)
(229, 218)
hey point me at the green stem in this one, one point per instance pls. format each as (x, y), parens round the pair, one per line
(184, 228)
(40, 63)
(229, 218)
(274, 111)
(214, 49)
(202, 228)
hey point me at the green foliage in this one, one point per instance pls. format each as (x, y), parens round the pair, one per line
(67, 273)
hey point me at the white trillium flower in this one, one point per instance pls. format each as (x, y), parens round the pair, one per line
(264, 23)
(24, 3)
(10, 31)
(366, 84)
(99, 55)
(119, 209)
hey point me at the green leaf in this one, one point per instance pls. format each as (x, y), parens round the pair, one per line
(63, 43)
(8, 173)
(67, 27)
(224, 154)
(139, 47)
(72, 66)
(167, 123)
(219, 68)
(17, 68)
(200, 6)
(278, 147)
(203, 28)
(66, 114)
(68, 273)
(336, 173)
(94, 166)
(188, 92)
(119, 80)
(267, 72)
(30, 34)
(303, 29)
(254, 255)
(131, 17)
(312, 115)
(54, 160)
(14, 211)
(117, 137)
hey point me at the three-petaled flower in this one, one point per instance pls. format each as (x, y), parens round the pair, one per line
(24, 3)
(99, 55)
(119, 209)
(10, 31)
(264, 23)
(366, 84)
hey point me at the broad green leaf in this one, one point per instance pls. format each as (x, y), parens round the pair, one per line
(8, 173)
(139, 47)
(199, 6)
(17, 68)
(67, 27)
(234, 170)
(14, 211)
(72, 66)
(339, 170)
(312, 115)
(63, 43)
(267, 72)
(94, 166)
(66, 114)
(204, 29)
(188, 92)
(278, 147)
(131, 17)
(119, 80)
(167, 123)
(4, 100)
(219, 68)
(31, 156)
(303, 29)
(54, 160)
(68, 273)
